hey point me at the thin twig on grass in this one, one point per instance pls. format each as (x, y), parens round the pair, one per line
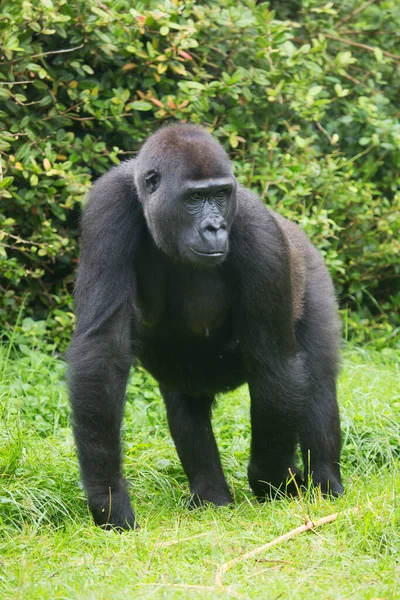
(308, 526)
(109, 505)
(181, 540)
(261, 571)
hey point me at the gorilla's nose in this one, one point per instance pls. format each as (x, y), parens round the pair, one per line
(214, 232)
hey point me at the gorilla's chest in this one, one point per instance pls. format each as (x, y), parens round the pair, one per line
(199, 304)
(187, 339)
(188, 303)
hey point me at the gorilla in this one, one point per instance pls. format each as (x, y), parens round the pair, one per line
(187, 272)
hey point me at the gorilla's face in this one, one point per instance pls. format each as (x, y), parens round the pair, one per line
(188, 196)
(206, 204)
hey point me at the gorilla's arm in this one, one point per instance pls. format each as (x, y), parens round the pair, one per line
(260, 259)
(289, 335)
(275, 372)
(110, 233)
(100, 355)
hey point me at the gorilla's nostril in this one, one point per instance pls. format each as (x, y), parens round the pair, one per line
(215, 225)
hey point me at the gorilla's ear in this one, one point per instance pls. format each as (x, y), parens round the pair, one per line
(110, 229)
(152, 180)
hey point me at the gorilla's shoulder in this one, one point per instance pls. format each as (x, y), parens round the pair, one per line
(115, 188)
(118, 178)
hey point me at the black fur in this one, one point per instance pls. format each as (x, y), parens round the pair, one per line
(189, 273)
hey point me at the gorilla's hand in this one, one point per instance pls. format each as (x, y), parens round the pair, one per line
(112, 509)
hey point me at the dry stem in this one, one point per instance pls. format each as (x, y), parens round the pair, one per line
(308, 526)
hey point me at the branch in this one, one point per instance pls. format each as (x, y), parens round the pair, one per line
(323, 131)
(357, 10)
(57, 51)
(22, 57)
(308, 526)
(14, 82)
(359, 45)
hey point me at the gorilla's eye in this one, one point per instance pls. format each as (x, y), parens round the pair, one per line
(196, 197)
(220, 199)
(152, 179)
(195, 200)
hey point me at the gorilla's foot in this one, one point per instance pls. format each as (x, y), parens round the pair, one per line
(328, 482)
(202, 496)
(112, 510)
(268, 484)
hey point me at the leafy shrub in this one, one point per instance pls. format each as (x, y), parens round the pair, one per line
(307, 108)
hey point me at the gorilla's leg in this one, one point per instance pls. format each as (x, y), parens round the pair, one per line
(189, 420)
(320, 439)
(99, 368)
(277, 400)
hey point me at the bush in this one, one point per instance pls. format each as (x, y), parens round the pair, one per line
(307, 109)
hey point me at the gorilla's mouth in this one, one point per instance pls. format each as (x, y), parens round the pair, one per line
(215, 253)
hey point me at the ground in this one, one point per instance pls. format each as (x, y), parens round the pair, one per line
(50, 549)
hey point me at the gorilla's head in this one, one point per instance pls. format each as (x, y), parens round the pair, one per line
(186, 186)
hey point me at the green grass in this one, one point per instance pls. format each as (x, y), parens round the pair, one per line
(50, 549)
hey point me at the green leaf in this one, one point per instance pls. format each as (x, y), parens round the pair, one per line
(4, 183)
(150, 49)
(34, 26)
(378, 54)
(315, 90)
(194, 85)
(140, 105)
(341, 92)
(88, 69)
(288, 48)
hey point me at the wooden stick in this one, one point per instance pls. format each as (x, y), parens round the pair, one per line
(308, 526)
